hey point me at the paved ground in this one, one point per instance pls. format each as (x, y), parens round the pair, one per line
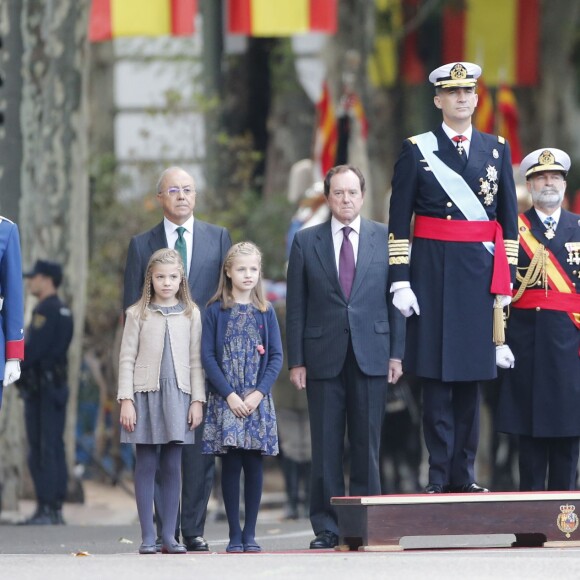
(102, 537)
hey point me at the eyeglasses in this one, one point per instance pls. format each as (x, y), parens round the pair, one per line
(187, 190)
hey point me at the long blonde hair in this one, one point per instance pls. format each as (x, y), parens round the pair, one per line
(224, 292)
(171, 257)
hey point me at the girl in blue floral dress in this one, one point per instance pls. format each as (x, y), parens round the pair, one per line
(242, 355)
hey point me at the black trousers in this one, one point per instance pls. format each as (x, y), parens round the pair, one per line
(451, 430)
(554, 457)
(45, 415)
(351, 403)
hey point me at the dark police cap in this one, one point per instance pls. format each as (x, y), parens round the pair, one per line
(46, 268)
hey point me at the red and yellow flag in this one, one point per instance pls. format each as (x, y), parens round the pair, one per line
(326, 138)
(508, 121)
(281, 17)
(484, 115)
(500, 35)
(112, 18)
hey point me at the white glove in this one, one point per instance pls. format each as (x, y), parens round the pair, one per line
(405, 302)
(11, 372)
(504, 357)
(503, 299)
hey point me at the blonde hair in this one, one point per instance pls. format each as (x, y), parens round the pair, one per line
(224, 292)
(170, 257)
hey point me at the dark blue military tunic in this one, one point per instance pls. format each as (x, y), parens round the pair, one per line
(540, 396)
(452, 338)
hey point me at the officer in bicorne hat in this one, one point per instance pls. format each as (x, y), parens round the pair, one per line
(458, 182)
(540, 397)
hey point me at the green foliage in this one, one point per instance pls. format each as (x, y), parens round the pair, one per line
(112, 224)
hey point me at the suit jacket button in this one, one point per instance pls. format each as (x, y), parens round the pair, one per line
(449, 217)
(449, 204)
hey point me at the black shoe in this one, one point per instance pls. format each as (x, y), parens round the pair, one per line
(324, 541)
(434, 488)
(43, 516)
(468, 488)
(196, 544)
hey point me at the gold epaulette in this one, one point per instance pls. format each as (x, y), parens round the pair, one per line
(412, 139)
(501, 139)
(398, 251)
(511, 249)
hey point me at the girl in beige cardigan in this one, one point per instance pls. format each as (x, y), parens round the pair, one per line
(161, 390)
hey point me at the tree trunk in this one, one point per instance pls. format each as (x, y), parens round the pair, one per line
(53, 161)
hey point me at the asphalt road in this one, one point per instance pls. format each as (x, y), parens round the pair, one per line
(102, 538)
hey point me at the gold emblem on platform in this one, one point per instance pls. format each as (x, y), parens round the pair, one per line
(567, 520)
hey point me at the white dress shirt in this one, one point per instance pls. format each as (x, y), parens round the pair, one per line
(171, 235)
(467, 134)
(338, 236)
(555, 215)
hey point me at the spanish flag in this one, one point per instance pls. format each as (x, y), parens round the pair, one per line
(112, 18)
(500, 35)
(508, 126)
(281, 17)
(326, 139)
(484, 115)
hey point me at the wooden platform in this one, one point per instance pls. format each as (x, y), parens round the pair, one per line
(377, 523)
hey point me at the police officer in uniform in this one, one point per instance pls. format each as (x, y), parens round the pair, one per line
(459, 184)
(43, 385)
(540, 398)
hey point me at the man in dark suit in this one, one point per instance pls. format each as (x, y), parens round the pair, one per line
(459, 184)
(345, 341)
(540, 398)
(203, 247)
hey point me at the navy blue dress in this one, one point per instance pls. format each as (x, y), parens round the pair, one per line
(240, 365)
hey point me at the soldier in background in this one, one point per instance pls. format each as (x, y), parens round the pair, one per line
(43, 385)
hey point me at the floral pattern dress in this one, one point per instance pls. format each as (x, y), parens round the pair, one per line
(242, 354)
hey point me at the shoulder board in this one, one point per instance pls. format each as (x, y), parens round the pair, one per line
(413, 139)
(501, 139)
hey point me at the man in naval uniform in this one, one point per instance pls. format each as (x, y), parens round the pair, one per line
(540, 398)
(459, 184)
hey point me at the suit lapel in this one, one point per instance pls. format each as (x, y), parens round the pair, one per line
(157, 239)
(198, 250)
(324, 249)
(478, 155)
(537, 228)
(366, 248)
(447, 152)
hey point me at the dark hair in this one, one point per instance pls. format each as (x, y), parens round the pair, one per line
(343, 169)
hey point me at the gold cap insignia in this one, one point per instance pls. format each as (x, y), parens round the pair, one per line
(546, 158)
(458, 72)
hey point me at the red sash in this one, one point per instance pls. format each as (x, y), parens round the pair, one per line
(470, 231)
(562, 295)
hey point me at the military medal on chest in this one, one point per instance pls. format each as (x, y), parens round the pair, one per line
(488, 187)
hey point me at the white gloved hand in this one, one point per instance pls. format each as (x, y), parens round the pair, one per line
(11, 372)
(504, 357)
(503, 299)
(405, 301)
